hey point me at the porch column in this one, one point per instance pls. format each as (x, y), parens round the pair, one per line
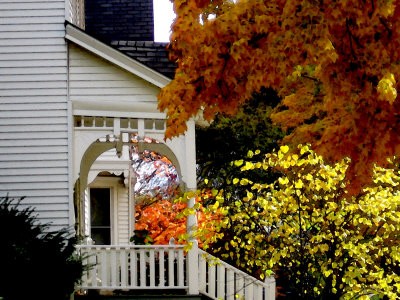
(192, 266)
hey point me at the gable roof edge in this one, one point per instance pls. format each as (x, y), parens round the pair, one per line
(80, 38)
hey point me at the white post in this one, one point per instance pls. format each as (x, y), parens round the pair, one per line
(270, 292)
(192, 269)
(192, 266)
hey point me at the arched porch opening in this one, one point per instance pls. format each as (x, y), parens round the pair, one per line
(95, 135)
(110, 177)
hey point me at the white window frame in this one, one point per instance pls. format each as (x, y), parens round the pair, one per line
(112, 184)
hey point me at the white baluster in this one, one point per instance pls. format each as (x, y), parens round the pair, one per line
(114, 267)
(152, 267)
(258, 292)
(142, 270)
(123, 265)
(220, 281)
(239, 290)
(161, 258)
(211, 278)
(92, 261)
(180, 268)
(248, 290)
(202, 273)
(171, 267)
(230, 284)
(134, 270)
(103, 267)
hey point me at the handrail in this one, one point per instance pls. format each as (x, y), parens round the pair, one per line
(219, 280)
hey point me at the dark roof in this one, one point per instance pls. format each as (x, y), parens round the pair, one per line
(121, 20)
(128, 26)
(152, 54)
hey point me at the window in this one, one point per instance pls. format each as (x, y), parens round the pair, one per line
(100, 212)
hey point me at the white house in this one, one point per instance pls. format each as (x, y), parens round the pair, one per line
(71, 107)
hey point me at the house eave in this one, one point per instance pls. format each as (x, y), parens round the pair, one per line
(120, 110)
(77, 36)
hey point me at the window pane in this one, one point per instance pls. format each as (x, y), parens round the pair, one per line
(101, 236)
(100, 215)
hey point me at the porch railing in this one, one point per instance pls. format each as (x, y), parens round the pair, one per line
(164, 267)
(219, 280)
(133, 267)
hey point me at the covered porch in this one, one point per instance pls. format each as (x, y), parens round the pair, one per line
(130, 269)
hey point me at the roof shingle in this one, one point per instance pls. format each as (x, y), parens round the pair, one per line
(152, 54)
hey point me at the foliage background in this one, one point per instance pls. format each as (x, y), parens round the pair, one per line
(310, 231)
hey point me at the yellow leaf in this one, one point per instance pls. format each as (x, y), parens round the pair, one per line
(244, 181)
(283, 180)
(298, 184)
(304, 149)
(216, 205)
(239, 162)
(284, 149)
(386, 88)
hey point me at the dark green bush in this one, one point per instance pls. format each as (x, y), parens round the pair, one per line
(35, 263)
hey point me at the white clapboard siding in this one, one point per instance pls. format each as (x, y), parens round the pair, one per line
(32, 99)
(32, 13)
(33, 56)
(30, 121)
(31, 63)
(37, 171)
(34, 108)
(50, 207)
(123, 216)
(29, 20)
(32, 49)
(33, 70)
(44, 197)
(31, 150)
(31, 34)
(94, 79)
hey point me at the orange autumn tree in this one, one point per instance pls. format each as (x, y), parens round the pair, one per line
(335, 64)
(158, 222)
(160, 206)
(163, 220)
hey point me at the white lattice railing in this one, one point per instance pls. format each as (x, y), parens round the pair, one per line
(219, 280)
(133, 267)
